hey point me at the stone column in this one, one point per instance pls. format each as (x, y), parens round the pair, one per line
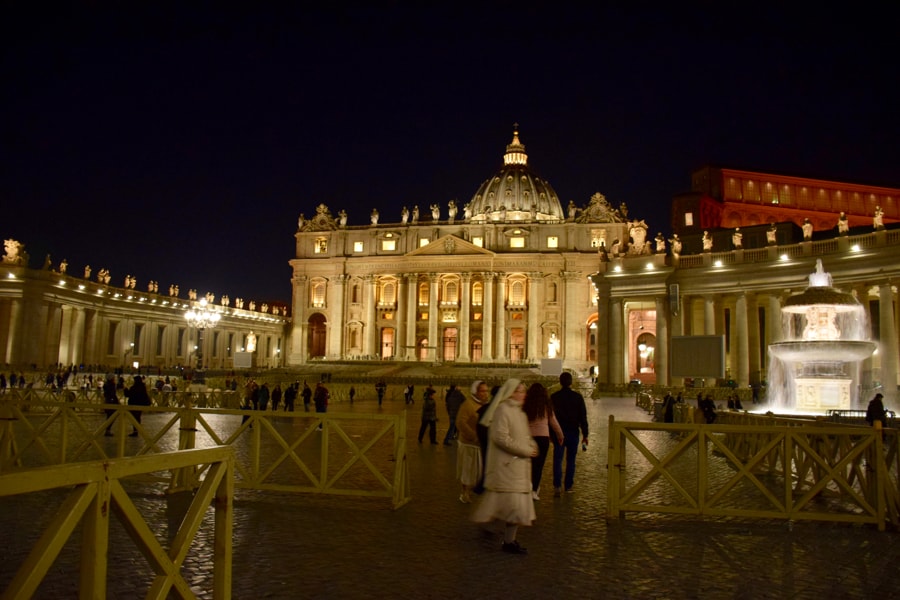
(501, 335)
(753, 337)
(300, 300)
(65, 335)
(465, 282)
(534, 303)
(487, 327)
(616, 341)
(412, 308)
(371, 347)
(572, 329)
(865, 367)
(888, 346)
(709, 315)
(400, 318)
(742, 340)
(76, 343)
(336, 292)
(434, 280)
(52, 335)
(773, 319)
(661, 364)
(11, 352)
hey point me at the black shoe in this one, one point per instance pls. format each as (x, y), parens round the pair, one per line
(133, 434)
(513, 548)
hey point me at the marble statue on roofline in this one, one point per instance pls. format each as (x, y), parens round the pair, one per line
(374, 216)
(807, 230)
(14, 252)
(415, 214)
(451, 210)
(878, 219)
(843, 224)
(435, 212)
(404, 216)
(707, 242)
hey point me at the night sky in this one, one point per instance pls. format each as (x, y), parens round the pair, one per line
(180, 143)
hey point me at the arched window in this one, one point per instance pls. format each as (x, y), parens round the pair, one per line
(477, 293)
(476, 350)
(451, 291)
(389, 293)
(423, 294)
(517, 292)
(317, 293)
(354, 294)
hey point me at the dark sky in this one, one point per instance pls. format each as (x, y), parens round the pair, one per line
(180, 142)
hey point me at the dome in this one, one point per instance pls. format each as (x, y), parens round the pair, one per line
(514, 193)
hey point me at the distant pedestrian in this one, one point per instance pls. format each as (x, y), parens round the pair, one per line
(875, 411)
(668, 407)
(110, 397)
(570, 411)
(507, 477)
(276, 396)
(137, 395)
(380, 389)
(264, 396)
(410, 394)
(307, 396)
(290, 396)
(320, 398)
(351, 393)
(453, 401)
(429, 416)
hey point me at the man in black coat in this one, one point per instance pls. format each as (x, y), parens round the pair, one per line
(571, 412)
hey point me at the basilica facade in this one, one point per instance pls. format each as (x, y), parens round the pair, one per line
(502, 279)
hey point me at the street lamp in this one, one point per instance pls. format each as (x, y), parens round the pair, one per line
(201, 317)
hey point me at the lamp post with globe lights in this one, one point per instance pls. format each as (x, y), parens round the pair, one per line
(201, 317)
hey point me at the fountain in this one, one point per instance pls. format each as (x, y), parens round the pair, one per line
(825, 338)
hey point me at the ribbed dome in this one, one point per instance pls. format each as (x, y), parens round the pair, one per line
(513, 193)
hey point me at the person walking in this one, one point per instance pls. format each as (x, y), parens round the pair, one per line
(307, 395)
(429, 415)
(110, 397)
(469, 458)
(453, 401)
(264, 396)
(137, 396)
(875, 410)
(380, 389)
(290, 396)
(320, 399)
(541, 420)
(570, 411)
(276, 396)
(507, 478)
(351, 393)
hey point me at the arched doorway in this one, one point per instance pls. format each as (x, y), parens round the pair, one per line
(516, 344)
(449, 344)
(592, 333)
(316, 336)
(387, 342)
(423, 349)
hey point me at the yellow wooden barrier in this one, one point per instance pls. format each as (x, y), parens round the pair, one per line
(96, 489)
(349, 448)
(809, 471)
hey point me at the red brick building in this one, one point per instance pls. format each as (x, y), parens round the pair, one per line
(728, 198)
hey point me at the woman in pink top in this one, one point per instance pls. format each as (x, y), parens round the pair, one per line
(539, 410)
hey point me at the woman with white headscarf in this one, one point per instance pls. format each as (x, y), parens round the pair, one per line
(507, 479)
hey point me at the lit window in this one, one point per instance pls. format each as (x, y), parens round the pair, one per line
(478, 241)
(318, 294)
(357, 246)
(388, 245)
(321, 245)
(516, 242)
(477, 293)
(517, 293)
(688, 219)
(423, 242)
(553, 242)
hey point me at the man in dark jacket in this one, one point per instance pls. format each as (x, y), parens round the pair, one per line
(453, 400)
(137, 395)
(570, 411)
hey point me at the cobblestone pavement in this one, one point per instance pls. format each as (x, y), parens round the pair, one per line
(292, 546)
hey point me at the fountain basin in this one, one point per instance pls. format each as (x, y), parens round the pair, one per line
(823, 350)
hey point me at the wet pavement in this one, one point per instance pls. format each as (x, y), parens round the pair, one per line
(303, 546)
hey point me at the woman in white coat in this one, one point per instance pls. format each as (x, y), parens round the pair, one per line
(507, 478)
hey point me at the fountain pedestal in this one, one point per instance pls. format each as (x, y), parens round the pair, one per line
(822, 394)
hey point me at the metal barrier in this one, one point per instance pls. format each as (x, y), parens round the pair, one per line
(327, 453)
(807, 471)
(97, 489)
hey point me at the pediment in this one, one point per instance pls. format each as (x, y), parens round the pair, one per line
(450, 245)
